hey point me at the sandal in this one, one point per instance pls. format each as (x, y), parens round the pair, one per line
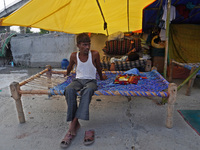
(89, 137)
(67, 140)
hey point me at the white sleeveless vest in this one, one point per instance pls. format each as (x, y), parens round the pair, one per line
(85, 70)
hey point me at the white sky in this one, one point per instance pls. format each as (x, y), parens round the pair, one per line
(9, 3)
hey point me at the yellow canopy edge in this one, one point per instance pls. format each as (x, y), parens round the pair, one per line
(76, 16)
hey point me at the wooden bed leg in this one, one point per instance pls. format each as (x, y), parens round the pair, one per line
(170, 70)
(148, 66)
(172, 90)
(191, 82)
(15, 88)
(129, 98)
(49, 75)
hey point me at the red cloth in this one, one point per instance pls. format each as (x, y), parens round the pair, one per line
(183, 10)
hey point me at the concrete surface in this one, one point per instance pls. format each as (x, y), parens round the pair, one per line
(120, 124)
(35, 50)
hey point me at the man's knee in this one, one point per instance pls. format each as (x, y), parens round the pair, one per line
(89, 90)
(69, 90)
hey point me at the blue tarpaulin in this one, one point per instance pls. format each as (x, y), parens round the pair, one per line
(187, 12)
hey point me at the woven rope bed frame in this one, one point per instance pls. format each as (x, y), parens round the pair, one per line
(194, 71)
(45, 82)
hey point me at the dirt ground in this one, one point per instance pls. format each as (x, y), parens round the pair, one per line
(119, 124)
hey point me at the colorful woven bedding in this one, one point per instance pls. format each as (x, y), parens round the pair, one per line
(188, 65)
(154, 83)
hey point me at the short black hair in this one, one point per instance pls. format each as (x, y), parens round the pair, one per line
(133, 56)
(83, 37)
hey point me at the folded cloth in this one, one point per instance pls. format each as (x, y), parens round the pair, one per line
(133, 71)
(123, 58)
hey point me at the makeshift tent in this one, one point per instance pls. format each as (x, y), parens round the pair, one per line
(182, 12)
(76, 16)
(184, 36)
(187, 12)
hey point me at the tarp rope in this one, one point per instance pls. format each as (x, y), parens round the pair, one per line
(128, 14)
(105, 23)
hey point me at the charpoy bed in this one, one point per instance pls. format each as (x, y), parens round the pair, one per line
(194, 71)
(154, 85)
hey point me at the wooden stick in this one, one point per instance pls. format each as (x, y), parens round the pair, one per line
(59, 72)
(191, 82)
(172, 90)
(15, 88)
(33, 77)
(40, 92)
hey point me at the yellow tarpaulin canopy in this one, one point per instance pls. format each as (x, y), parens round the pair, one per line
(76, 16)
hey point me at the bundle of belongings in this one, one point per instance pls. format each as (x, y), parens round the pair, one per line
(125, 65)
(118, 44)
(129, 77)
(125, 51)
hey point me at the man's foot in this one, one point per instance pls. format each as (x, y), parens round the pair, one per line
(70, 135)
(73, 128)
(89, 137)
(67, 140)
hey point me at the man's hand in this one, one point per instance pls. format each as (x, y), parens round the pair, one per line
(65, 73)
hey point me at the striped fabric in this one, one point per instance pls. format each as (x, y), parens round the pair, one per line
(125, 65)
(117, 47)
(137, 44)
(122, 47)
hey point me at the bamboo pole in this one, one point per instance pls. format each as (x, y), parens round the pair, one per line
(172, 90)
(188, 78)
(171, 70)
(167, 39)
(15, 88)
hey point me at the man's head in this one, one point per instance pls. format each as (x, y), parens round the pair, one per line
(83, 37)
(83, 43)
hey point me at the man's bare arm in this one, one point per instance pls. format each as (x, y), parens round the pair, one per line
(71, 63)
(98, 66)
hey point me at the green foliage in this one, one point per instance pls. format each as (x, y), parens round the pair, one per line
(42, 31)
(3, 31)
(28, 30)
